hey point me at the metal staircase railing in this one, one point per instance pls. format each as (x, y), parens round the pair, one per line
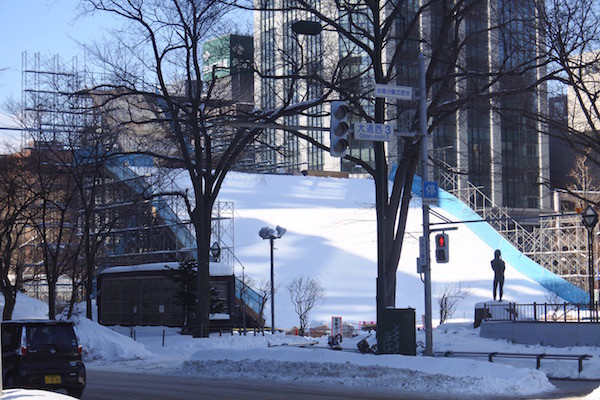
(248, 296)
(558, 244)
(522, 238)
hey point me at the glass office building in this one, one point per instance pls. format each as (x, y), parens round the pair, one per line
(493, 141)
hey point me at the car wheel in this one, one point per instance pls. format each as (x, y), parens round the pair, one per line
(78, 392)
(10, 381)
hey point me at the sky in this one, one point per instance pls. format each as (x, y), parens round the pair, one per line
(46, 26)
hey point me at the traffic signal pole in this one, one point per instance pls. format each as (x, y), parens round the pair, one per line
(424, 178)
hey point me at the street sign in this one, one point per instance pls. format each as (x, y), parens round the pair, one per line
(430, 193)
(336, 327)
(422, 249)
(393, 92)
(372, 131)
(421, 265)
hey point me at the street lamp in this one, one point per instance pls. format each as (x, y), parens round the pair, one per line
(269, 233)
(590, 219)
(215, 251)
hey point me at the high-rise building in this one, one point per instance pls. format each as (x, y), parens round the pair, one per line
(495, 139)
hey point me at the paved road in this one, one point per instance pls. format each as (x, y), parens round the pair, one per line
(104, 385)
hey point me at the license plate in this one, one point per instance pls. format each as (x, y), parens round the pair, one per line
(52, 379)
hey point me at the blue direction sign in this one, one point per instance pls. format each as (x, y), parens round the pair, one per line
(372, 131)
(430, 193)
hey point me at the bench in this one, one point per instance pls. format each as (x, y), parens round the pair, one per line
(538, 357)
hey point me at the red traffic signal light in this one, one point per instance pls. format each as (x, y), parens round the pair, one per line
(442, 254)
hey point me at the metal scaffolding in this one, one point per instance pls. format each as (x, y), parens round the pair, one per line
(149, 230)
(558, 244)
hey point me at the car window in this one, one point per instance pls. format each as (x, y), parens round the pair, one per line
(10, 337)
(59, 335)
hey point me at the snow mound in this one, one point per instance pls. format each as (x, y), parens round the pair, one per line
(27, 307)
(32, 394)
(102, 344)
(372, 376)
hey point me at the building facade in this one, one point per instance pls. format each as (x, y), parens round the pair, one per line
(494, 141)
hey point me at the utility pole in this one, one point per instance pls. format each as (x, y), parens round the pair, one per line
(424, 178)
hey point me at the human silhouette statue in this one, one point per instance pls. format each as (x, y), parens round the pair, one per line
(498, 266)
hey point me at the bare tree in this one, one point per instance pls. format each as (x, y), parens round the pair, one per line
(15, 201)
(572, 48)
(585, 186)
(450, 297)
(379, 42)
(55, 215)
(263, 288)
(179, 120)
(306, 294)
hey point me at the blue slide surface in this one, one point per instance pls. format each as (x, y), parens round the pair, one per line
(552, 282)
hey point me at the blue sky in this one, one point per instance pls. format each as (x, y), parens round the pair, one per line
(49, 27)
(46, 26)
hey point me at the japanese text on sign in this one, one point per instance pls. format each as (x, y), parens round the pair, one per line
(372, 131)
(394, 92)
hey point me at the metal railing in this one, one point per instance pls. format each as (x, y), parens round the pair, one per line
(248, 296)
(558, 244)
(542, 312)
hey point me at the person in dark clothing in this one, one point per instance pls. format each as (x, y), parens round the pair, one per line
(498, 266)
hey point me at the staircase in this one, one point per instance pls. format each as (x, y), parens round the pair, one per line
(250, 303)
(558, 244)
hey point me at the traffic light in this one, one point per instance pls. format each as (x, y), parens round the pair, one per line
(338, 128)
(442, 254)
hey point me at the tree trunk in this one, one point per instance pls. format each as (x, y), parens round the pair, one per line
(9, 302)
(51, 300)
(202, 225)
(395, 231)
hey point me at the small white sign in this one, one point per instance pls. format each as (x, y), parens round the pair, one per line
(372, 131)
(161, 308)
(336, 326)
(393, 92)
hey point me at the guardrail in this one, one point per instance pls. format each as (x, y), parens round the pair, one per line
(542, 312)
(538, 357)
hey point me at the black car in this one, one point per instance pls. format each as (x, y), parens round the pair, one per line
(42, 354)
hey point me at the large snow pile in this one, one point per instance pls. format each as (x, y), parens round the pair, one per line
(331, 236)
(27, 307)
(102, 344)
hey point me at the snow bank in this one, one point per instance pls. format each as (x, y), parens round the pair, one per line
(30, 394)
(27, 308)
(249, 358)
(102, 344)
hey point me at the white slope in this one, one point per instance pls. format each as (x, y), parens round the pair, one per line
(331, 236)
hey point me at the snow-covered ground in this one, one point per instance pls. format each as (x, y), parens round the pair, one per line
(331, 236)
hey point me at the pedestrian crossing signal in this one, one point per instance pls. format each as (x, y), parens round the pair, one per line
(442, 254)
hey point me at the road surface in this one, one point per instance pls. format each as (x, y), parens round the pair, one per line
(103, 385)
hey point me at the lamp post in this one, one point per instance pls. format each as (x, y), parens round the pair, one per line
(590, 219)
(269, 233)
(215, 251)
